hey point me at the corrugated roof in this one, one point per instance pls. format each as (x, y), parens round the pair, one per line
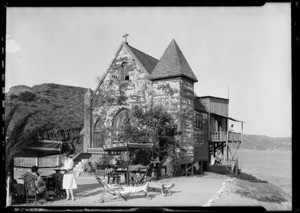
(198, 106)
(146, 60)
(173, 64)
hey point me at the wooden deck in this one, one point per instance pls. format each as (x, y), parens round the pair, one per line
(223, 136)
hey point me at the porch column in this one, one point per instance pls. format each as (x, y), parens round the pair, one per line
(37, 161)
(87, 120)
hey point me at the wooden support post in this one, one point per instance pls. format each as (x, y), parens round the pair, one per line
(192, 168)
(227, 136)
(37, 161)
(58, 161)
(223, 153)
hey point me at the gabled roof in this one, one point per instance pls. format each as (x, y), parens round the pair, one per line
(146, 60)
(198, 106)
(172, 64)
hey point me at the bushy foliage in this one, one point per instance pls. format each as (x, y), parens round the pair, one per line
(27, 96)
(17, 138)
(153, 125)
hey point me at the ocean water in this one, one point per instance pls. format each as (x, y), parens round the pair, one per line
(273, 166)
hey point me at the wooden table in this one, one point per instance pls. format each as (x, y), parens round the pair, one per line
(120, 172)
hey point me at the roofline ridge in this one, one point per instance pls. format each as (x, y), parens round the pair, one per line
(142, 52)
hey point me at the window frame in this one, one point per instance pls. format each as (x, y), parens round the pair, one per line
(124, 73)
(98, 134)
(199, 121)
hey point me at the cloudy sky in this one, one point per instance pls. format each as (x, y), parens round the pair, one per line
(247, 49)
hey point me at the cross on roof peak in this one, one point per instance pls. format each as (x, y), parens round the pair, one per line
(125, 36)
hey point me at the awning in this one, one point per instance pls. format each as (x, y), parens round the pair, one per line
(42, 148)
(127, 146)
(228, 118)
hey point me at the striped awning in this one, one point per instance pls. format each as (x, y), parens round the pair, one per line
(127, 146)
(42, 148)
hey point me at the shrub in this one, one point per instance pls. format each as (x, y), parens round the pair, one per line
(27, 96)
(247, 177)
(12, 97)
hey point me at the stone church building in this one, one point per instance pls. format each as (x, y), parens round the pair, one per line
(136, 78)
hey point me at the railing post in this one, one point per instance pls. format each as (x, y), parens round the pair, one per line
(227, 135)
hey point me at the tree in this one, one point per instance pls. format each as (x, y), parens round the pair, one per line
(153, 125)
(17, 138)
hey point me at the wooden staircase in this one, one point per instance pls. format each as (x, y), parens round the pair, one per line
(79, 161)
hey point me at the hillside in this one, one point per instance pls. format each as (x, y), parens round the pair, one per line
(263, 142)
(59, 105)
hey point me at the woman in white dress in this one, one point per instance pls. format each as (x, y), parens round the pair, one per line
(69, 182)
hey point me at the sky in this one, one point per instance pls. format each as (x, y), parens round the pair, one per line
(243, 53)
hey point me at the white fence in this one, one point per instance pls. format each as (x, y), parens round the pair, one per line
(222, 136)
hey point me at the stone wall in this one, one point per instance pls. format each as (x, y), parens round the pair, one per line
(167, 93)
(187, 118)
(87, 120)
(116, 94)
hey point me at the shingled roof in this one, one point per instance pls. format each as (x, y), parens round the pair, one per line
(172, 64)
(146, 60)
(198, 106)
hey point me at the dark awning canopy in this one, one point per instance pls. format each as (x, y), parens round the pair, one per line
(42, 148)
(127, 146)
(228, 118)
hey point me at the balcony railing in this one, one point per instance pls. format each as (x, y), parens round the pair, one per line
(223, 136)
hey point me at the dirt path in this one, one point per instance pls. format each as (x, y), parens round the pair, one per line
(209, 189)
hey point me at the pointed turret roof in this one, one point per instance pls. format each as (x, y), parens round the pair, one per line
(172, 64)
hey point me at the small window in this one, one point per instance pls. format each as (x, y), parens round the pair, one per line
(124, 73)
(199, 121)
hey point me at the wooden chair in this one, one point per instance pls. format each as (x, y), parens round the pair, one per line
(58, 182)
(112, 189)
(140, 180)
(30, 188)
(121, 191)
(116, 178)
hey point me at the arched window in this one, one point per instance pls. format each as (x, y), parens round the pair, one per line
(118, 123)
(98, 135)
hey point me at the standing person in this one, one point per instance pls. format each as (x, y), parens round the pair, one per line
(231, 128)
(69, 182)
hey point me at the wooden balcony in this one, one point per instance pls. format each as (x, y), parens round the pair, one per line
(223, 136)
